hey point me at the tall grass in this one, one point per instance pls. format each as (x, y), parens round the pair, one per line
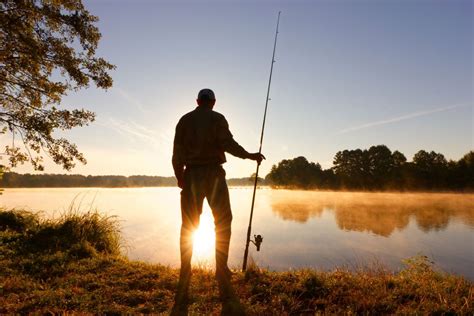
(80, 234)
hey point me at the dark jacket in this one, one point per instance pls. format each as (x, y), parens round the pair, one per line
(202, 136)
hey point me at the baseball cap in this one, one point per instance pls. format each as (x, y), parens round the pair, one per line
(206, 94)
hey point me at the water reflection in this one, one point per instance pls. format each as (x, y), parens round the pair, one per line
(378, 213)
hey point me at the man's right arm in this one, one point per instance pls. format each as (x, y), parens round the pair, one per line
(178, 154)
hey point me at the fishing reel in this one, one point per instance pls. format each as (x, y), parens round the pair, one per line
(258, 241)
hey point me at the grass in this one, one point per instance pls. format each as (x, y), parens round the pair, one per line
(73, 264)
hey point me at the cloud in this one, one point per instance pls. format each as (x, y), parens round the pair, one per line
(135, 102)
(401, 118)
(135, 132)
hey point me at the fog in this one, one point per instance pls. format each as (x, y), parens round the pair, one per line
(379, 213)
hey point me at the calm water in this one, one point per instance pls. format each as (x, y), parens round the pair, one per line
(300, 229)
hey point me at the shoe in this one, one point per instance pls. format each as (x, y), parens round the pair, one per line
(226, 290)
(182, 292)
(179, 309)
(181, 299)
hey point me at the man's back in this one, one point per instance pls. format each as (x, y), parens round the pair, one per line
(202, 136)
(197, 133)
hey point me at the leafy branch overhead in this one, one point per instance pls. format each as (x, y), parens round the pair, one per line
(47, 48)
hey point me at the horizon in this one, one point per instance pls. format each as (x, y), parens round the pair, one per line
(71, 173)
(349, 74)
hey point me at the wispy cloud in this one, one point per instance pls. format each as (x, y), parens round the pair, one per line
(134, 101)
(135, 132)
(401, 118)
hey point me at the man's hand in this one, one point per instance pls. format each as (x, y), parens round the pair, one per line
(258, 157)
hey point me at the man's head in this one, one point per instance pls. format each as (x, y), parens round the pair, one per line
(206, 98)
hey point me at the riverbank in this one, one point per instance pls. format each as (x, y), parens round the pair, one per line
(73, 264)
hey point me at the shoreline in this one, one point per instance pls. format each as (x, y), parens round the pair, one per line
(264, 187)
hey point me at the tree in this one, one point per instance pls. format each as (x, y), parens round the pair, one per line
(380, 165)
(399, 162)
(464, 172)
(297, 172)
(430, 169)
(252, 178)
(47, 48)
(373, 168)
(352, 168)
(399, 159)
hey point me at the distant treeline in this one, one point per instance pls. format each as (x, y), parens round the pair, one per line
(16, 180)
(377, 168)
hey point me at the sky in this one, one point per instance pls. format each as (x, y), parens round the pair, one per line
(348, 74)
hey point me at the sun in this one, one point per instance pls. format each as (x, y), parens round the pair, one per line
(204, 239)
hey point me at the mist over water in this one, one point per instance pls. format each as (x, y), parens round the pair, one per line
(300, 228)
(378, 213)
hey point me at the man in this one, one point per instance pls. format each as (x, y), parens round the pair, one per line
(202, 136)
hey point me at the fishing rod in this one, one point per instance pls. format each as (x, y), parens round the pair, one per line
(258, 238)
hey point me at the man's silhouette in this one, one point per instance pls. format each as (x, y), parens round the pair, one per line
(202, 136)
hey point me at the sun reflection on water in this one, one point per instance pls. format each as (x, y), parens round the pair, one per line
(204, 240)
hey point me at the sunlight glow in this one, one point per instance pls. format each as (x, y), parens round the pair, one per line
(204, 239)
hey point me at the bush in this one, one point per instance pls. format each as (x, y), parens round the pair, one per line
(18, 221)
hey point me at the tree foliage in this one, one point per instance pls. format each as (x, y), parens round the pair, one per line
(299, 172)
(368, 169)
(430, 169)
(15, 180)
(377, 168)
(47, 48)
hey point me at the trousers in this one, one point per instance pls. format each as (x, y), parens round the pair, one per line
(208, 182)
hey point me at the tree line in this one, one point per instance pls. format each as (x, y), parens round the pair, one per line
(17, 180)
(377, 168)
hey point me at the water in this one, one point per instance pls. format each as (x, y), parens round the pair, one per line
(300, 229)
